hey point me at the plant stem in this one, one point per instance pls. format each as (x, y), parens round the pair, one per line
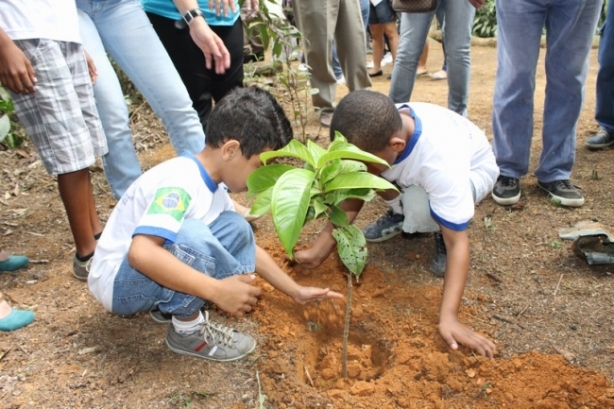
(346, 329)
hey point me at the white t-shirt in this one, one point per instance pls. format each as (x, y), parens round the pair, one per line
(445, 156)
(156, 204)
(49, 19)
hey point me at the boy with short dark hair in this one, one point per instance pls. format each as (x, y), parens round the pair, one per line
(174, 239)
(443, 165)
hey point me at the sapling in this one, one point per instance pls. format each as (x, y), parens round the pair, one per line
(297, 195)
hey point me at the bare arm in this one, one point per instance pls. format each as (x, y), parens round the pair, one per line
(16, 72)
(234, 294)
(457, 268)
(477, 3)
(216, 53)
(272, 273)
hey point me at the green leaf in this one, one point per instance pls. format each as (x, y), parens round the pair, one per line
(337, 196)
(338, 217)
(352, 248)
(348, 151)
(294, 149)
(348, 166)
(265, 177)
(289, 204)
(355, 180)
(316, 151)
(262, 204)
(330, 171)
(318, 206)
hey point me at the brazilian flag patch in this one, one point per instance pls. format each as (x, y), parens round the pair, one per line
(172, 201)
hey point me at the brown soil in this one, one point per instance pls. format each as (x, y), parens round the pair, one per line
(548, 311)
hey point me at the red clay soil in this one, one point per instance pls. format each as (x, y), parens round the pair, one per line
(396, 358)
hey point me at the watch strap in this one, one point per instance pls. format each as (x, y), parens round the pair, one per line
(187, 18)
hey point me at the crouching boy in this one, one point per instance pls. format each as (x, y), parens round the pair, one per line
(443, 165)
(174, 239)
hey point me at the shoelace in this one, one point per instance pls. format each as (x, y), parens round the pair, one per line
(508, 182)
(217, 333)
(383, 220)
(564, 185)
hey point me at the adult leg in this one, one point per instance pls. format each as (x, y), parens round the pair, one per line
(570, 27)
(377, 31)
(414, 30)
(519, 31)
(349, 37)
(423, 59)
(121, 164)
(390, 29)
(457, 37)
(605, 78)
(131, 41)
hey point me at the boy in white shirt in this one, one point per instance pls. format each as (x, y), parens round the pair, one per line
(174, 240)
(443, 165)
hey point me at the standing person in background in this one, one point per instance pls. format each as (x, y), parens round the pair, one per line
(457, 37)
(121, 29)
(604, 112)
(364, 10)
(44, 67)
(570, 27)
(382, 20)
(321, 21)
(185, 28)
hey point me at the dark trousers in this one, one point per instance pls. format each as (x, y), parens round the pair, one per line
(204, 85)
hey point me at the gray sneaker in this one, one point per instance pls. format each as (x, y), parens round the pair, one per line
(160, 317)
(601, 139)
(81, 269)
(563, 193)
(384, 228)
(212, 341)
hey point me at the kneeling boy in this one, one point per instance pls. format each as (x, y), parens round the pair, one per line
(174, 239)
(443, 164)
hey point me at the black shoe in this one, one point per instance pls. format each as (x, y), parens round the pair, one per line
(563, 192)
(506, 191)
(438, 265)
(601, 139)
(376, 74)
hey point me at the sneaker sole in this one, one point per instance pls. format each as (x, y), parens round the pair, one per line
(506, 201)
(384, 238)
(84, 279)
(598, 145)
(159, 320)
(209, 358)
(563, 201)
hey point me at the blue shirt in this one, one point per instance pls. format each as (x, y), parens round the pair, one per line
(166, 8)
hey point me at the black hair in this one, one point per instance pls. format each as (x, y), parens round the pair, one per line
(251, 116)
(368, 119)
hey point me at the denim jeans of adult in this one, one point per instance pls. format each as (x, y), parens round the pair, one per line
(222, 249)
(364, 10)
(121, 29)
(457, 37)
(605, 78)
(570, 27)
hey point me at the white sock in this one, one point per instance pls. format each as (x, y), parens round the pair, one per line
(396, 205)
(187, 327)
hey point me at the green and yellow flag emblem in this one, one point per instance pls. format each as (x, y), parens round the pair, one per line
(172, 201)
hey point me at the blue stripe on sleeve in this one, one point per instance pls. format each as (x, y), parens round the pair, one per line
(169, 236)
(447, 224)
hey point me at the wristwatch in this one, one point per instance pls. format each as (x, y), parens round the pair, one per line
(188, 18)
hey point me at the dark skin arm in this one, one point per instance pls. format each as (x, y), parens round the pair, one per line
(16, 72)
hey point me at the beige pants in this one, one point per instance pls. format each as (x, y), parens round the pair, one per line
(321, 21)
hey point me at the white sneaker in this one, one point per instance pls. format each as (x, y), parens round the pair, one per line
(303, 67)
(370, 64)
(341, 81)
(387, 59)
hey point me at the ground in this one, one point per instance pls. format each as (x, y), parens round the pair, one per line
(550, 313)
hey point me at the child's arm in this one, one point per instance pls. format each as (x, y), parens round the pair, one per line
(325, 243)
(272, 273)
(16, 72)
(457, 268)
(233, 294)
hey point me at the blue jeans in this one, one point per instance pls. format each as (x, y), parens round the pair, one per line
(605, 78)
(364, 9)
(570, 26)
(224, 248)
(122, 29)
(457, 37)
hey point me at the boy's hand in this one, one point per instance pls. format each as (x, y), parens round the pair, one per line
(236, 296)
(306, 294)
(310, 258)
(16, 72)
(454, 333)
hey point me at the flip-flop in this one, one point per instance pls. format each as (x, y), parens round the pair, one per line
(16, 319)
(421, 73)
(13, 263)
(376, 74)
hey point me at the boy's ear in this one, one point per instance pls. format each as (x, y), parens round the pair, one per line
(397, 144)
(230, 149)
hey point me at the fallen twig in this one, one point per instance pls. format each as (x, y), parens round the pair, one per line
(494, 277)
(308, 376)
(507, 319)
(23, 350)
(41, 261)
(523, 310)
(569, 357)
(558, 285)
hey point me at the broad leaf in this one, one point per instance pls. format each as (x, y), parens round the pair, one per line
(315, 150)
(335, 197)
(318, 206)
(338, 217)
(289, 204)
(265, 177)
(352, 248)
(348, 151)
(262, 204)
(293, 149)
(330, 171)
(5, 126)
(348, 166)
(355, 180)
